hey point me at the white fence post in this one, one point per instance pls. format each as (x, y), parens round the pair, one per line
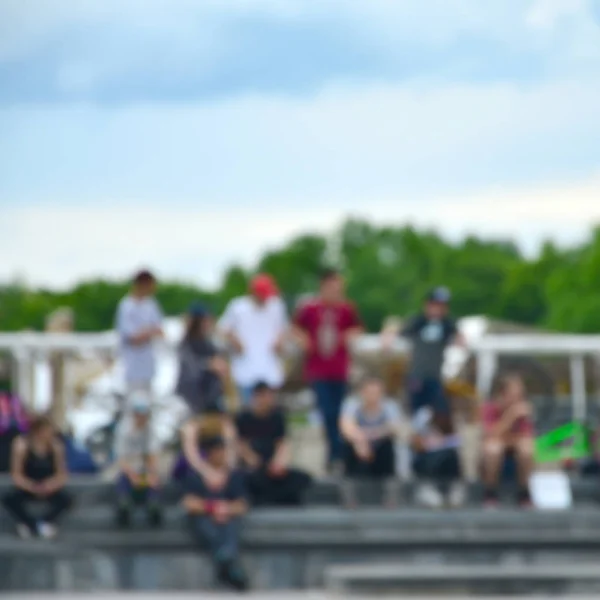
(486, 365)
(578, 388)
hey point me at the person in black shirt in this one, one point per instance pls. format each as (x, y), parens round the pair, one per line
(430, 332)
(214, 514)
(202, 370)
(39, 473)
(265, 453)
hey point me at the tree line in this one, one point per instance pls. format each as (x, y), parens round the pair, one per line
(388, 271)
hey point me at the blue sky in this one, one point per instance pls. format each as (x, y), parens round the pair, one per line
(187, 134)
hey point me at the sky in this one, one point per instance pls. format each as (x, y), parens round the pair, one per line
(185, 135)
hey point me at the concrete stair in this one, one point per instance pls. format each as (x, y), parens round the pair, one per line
(462, 578)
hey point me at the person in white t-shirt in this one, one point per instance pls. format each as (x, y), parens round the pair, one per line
(256, 326)
(139, 324)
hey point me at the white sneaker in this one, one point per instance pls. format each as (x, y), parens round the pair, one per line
(24, 532)
(47, 531)
(429, 496)
(458, 495)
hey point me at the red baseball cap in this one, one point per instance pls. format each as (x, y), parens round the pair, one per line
(263, 286)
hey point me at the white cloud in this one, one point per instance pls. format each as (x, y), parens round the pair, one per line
(26, 25)
(91, 191)
(344, 142)
(216, 182)
(57, 245)
(567, 30)
(547, 14)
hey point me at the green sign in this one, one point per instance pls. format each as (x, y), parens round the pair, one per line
(570, 441)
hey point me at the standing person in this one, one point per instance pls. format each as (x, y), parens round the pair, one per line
(508, 434)
(137, 455)
(214, 514)
(265, 452)
(325, 327)
(256, 326)
(39, 473)
(431, 332)
(139, 324)
(202, 372)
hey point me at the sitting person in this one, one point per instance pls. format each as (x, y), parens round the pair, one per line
(39, 473)
(265, 453)
(436, 459)
(214, 513)
(370, 425)
(508, 434)
(136, 450)
(213, 422)
(202, 371)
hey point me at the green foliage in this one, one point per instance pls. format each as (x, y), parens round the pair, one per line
(388, 271)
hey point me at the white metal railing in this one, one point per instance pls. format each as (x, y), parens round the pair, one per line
(487, 348)
(62, 342)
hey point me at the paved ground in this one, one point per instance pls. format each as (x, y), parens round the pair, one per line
(261, 596)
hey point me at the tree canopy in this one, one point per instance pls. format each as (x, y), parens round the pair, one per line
(388, 271)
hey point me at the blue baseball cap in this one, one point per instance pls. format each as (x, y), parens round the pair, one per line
(440, 295)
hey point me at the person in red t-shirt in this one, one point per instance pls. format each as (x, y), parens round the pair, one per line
(325, 327)
(508, 433)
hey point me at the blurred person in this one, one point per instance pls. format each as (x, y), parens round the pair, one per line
(202, 371)
(371, 424)
(264, 452)
(14, 421)
(139, 324)
(325, 327)
(436, 459)
(256, 326)
(212, 422)
(39, 474)
(137, 454)
(430, 332)
(508, 438)
(214, 514)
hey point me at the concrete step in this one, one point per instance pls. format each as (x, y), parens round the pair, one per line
(397, 576)
(90, 526)
(324, 492)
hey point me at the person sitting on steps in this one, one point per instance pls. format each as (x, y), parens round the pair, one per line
(212, 422)
(39, 474)
(508, 438)
(214, 513)
(371, 425)
(436, 459)
(264, 452)
(136, 451)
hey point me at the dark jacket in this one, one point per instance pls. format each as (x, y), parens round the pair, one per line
(197, 383)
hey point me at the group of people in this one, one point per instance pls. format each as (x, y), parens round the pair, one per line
(230, 462)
